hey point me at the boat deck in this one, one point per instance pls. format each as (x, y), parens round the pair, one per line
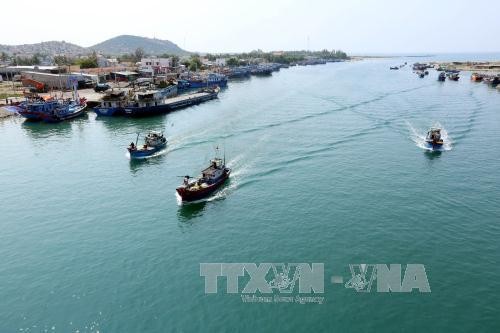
(182, 98)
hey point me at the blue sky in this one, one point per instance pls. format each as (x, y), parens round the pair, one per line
(356, 26)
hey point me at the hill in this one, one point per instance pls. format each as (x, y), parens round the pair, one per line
(128, 44)
(49, 48)
(115, 46)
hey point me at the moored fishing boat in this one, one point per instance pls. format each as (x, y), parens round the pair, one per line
(50, 109)
(433, 139)
(210, 80)
(69, 110)
(147, 104)
(112, 103)
(212, 178)
(153, 143)
(35, 107)
(441, 77)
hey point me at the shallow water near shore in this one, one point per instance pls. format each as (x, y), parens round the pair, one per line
(327, 167)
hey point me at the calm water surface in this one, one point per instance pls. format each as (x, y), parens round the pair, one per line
(327, 167)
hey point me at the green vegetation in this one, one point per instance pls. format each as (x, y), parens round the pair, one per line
(233, 61)
(194, 63)
(25, 61)
(285, 57)
(62, 60)
(88, 62)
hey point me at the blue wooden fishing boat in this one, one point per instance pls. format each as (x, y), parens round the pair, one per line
(433, 139)
(211, 80)
(153, 143)
(52, 110)
(112, 103)
(148, 105)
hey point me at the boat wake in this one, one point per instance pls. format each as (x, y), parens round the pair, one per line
(419, 138)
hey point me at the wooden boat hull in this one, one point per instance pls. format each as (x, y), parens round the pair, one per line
(194, 195)
(109, 112)
(434, 144)
(145, 153)
(78, 111)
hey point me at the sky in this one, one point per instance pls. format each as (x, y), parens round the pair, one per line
(354, 26)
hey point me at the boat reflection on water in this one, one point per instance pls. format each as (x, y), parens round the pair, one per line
(41, 130)
(187, 212)
(137, 165)
(433, 154)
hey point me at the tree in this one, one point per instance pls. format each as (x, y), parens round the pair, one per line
(4, 56)
(139, 54)
(195, 63)
(231, 62)
(175, 61)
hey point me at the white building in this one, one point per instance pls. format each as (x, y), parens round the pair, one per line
(156, 62)
(103, 62)
(220, 62)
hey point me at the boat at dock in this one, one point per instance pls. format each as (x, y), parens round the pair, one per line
(148, 105)
(50, 109)
(153, 143)
(210, 80)
(112, 103)
(212, 178)
(442, 77)
(433, 139)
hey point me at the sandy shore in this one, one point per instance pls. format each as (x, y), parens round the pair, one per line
(490, 67)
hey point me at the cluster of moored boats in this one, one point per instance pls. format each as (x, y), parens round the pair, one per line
(51, 109)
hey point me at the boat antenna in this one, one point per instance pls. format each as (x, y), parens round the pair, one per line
(137, 139)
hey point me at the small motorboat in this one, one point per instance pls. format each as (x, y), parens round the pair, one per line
(421, 75)
(433, 138)
(394, 68)
(153, 143)
(476, 77)
(210, 180)
(441, 77)
(453, 76)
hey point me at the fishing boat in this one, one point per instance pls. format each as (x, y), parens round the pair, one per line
(453, 76)
(153, 143)
(112, 103)
(211, 80)
(421, 75)
(441, 77)
(476, 77)
(394, 67)
(212, 178)
(151, 103)
(69, 110)
(433, 138)
(34, 107)
(52, 110)
(492, 80)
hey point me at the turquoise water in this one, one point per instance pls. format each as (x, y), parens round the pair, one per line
(327, 167)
